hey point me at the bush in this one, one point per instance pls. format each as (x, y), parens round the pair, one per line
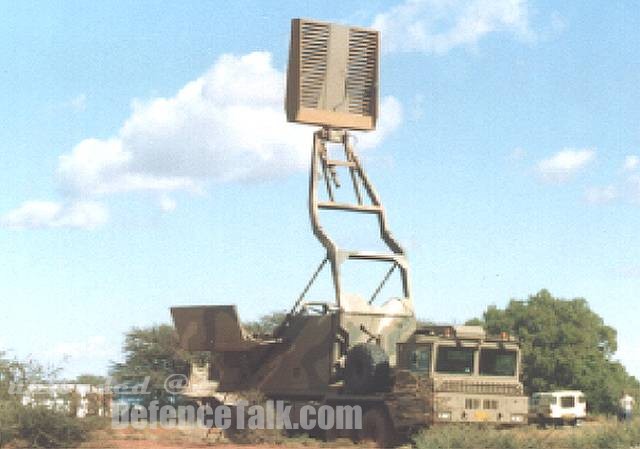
(93, 423)
(465, 436)
(42, 427)
(599, 435)
(8, 421)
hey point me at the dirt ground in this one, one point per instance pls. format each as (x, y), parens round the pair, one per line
(192, 438)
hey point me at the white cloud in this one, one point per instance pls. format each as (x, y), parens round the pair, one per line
(628, 189)
(390, 119)
(96, 167)
(564, 164)
(631, 162)
(227, 125)
(600, 195)
(49, 214)
(167, 204)
(437, 26)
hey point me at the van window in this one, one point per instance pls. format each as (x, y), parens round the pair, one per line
(582, 399)
(498, 362)
(567, 401)
(455, 360)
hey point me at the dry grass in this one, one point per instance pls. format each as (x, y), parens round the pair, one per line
(600, 434)
(594, 435)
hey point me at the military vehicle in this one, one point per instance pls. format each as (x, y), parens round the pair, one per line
(351, 348)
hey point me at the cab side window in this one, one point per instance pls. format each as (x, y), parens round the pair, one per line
(420, 359)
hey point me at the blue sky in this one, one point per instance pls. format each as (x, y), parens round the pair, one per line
(146, 162)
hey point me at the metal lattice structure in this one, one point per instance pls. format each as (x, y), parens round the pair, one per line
(323, 177)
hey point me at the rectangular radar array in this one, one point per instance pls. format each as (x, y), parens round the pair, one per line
(333, 75)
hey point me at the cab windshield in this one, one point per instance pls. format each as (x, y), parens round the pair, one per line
(498, 362)
(455, 360)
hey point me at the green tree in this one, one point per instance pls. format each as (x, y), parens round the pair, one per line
(565, 345)
(153, 352)
(10, 378)
(90, 379)
(39, 426)
(266, 324)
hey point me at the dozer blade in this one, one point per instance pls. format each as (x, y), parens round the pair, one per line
(209, 328)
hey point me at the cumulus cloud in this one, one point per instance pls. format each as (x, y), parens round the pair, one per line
(437, 26)
(601, 195)
(96, 167)
(50, 214)
(631, 162)
(227, 125)
(564, 164)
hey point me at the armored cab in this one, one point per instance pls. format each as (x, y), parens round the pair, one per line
(471, 377)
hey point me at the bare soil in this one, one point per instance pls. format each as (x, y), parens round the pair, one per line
(191, 438)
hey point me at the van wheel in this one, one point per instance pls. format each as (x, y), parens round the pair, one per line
(376, 428)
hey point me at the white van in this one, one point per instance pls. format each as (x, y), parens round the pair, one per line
(558, 407)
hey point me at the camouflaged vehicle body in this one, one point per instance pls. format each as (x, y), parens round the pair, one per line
(304, 357)
(301, 362)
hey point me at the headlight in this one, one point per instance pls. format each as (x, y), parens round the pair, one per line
(517, 418)
(444, 416)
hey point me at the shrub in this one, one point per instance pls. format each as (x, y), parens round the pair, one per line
(42, 427)
(599, 435)
(8, 421)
